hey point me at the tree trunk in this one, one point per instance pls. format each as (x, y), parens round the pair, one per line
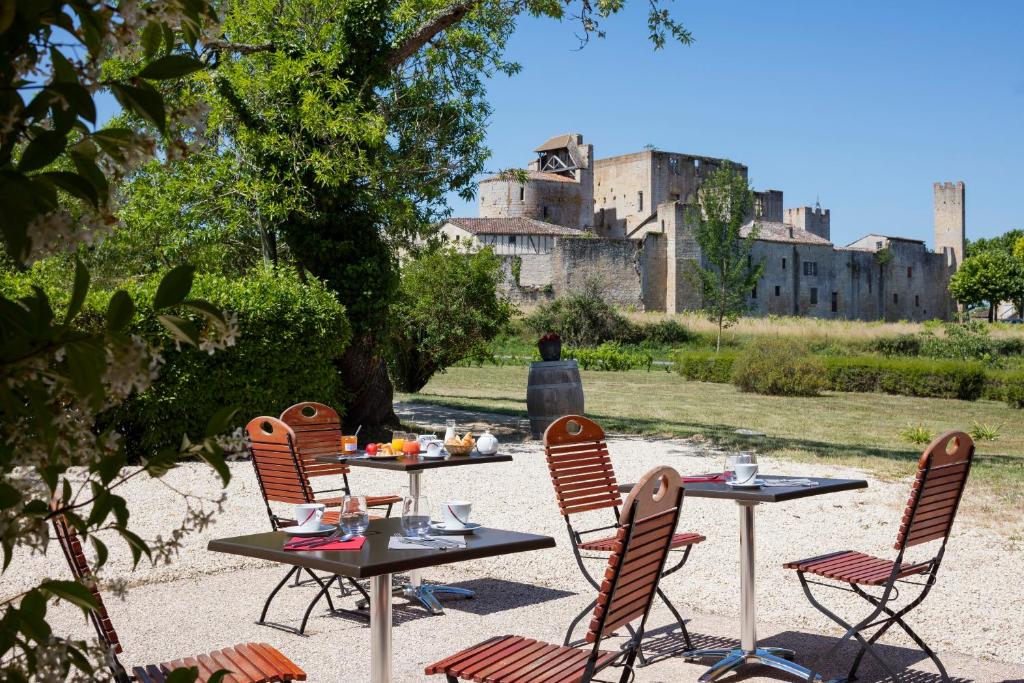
(992, 311)
(365, 374)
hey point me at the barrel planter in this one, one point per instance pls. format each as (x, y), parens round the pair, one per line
(554, 389)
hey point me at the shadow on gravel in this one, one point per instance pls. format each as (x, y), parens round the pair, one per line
(499, 595)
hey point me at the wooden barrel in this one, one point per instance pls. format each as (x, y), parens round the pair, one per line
(553, 390)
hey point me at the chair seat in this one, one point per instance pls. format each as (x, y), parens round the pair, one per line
(249, 663)
(507, 659)
(608, 544)
(371, 501)
(849, 566)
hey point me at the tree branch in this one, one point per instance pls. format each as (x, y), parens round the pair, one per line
(428, 30)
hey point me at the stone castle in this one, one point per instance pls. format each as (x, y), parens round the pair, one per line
(623, 221)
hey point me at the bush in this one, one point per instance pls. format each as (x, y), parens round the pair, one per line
(900, 345)
(290, 335)
(448, 310)
(705, 366)
(665, 332)
(778, 367)
(907, 377)
(1015, 390)
(582, 319)
(609, 356)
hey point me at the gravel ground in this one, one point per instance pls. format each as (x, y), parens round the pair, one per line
(206, 599)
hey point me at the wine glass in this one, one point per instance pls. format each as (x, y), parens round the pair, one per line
(415, 516)
(355, 515)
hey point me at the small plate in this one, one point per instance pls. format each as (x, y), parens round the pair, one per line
(439, 529)
(757, 484)
(440, 454)
(296, 531)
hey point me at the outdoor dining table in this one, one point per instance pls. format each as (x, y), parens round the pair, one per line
(377, 562)
(414, 465)
(747, 499)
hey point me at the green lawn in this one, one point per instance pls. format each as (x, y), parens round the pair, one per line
(857, 429)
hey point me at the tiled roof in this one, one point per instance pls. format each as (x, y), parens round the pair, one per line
(557, 142)
(783, 232)
(512, 226)
(532, 175)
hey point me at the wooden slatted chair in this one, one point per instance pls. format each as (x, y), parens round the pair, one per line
(248, 662)
(317, 430)
(584, 480)
(934, 499)
(638, 553)
(282, 479)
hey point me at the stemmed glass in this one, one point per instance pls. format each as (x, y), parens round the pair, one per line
(355, 515)
(416, 516)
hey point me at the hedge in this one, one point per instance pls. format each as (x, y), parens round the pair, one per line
(705, 366)
(609, 356)
(290, 335)
(907, 377)
(1013, 389)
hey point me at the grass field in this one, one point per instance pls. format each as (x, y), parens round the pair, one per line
(857, 429)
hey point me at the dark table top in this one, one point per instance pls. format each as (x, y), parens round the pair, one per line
(406, 463)
(374, 558)
(768, 494)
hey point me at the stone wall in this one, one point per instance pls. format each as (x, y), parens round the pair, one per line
(559, 202)
(653, 271)
(615, 265)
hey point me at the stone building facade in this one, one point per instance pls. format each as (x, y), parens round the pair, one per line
(624, 222)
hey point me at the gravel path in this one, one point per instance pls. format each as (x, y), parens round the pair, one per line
(206, 599)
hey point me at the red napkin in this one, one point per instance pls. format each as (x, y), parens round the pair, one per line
(305, 544)
(720, 476)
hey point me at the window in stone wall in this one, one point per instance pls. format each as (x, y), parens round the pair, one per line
(835, 302)
(783, 263)
(895, 298)
(810, 267)
(869, 281)
(910, 272)
(511, 240)
(522, 193)
(917, 300)
(778, 290)
(814, 296)
(640, 201)
(544, 211)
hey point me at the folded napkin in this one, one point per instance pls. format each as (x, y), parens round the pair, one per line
(312, 544)
(789, 482)
(445, 543)
(720, 476)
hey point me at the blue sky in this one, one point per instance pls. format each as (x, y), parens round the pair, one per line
(862, 104)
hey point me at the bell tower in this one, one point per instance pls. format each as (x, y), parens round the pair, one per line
(950, 224)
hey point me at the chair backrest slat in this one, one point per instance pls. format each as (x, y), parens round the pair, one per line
(646, 526)
(280, 475)
(317, 429)
(580, 466)
(72, 548)
(935, 496)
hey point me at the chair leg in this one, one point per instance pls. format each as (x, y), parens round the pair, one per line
(270, 598)
(628, 665)
(323, 591)
(675, 613)
(579, 617)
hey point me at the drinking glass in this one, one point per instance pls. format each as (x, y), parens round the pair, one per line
(397, 441)
(415, 516)
(355, 516)
(449, 429)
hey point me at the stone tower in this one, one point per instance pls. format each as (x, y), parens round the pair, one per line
(949, 221)
(816, 221)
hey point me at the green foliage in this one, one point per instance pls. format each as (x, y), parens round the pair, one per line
(1005, 243)
(965, 341)
(917, 434)
(291, 336)
(988, 278)
(664, 332)
(705, 366)
(981, 431)
(448, 310)
(609, 356)
(778, 367)
(1014, 390)
(725, 200)
(581, 319)
(900, 345)
(907, 376)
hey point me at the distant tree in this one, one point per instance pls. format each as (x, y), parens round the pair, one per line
(1004, 243)
(725, 201)
(988, 278)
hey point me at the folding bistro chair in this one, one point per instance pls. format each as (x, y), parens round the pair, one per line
(639, 550)
(282, 479)
(934, 498)
(249, 662)
(584, 480)
(317, 430)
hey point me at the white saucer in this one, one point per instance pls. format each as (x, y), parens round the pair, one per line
(440, 529)
(296, 531)
(440, 454)
(757, 484)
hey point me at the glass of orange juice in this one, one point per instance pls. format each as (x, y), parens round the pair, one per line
(398, 440)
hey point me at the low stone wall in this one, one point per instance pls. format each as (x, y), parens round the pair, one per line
(615, 265)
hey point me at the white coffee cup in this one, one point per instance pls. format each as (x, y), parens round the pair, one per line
(309, 515)
(434, 449)
(455, 513)
(746, 473)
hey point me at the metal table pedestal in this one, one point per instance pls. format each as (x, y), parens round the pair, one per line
(748, 651)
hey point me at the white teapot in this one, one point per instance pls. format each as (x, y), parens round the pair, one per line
(487, 444)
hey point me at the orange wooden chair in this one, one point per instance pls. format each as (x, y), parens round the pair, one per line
(934, 499)
(639, 550)
(248, 663)
(584, 480)
(317, 431)
(282, 479)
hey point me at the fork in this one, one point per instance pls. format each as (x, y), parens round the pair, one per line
(317, 542)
